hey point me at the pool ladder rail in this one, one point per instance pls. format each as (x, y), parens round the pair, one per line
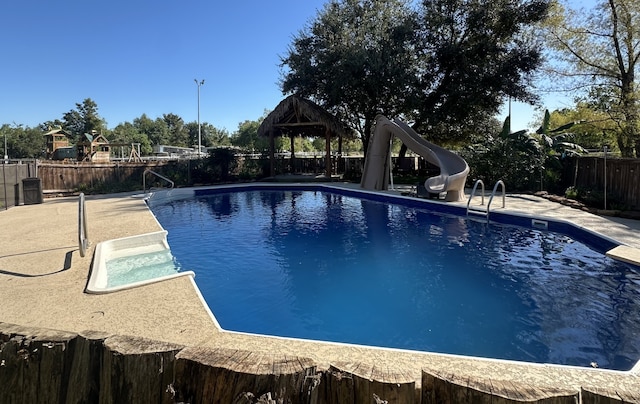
(481, 211)
(83, 234)
(162, 177)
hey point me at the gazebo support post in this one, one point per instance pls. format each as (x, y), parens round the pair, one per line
(272, 154)
(293, 154)
(327, 165)
(340, 165)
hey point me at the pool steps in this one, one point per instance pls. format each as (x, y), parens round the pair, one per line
(124, 247)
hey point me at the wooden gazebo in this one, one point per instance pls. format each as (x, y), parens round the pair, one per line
(295, 116)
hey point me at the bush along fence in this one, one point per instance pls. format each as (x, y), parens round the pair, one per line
(604, 183)
(47, 366)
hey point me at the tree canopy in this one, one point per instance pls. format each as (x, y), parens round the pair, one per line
(598, 50)
(22, 142)
(353, 60)
(446, 64)
(83, 119)
(472, 56)
(169, 129)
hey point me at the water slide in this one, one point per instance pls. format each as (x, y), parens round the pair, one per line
(375, 176)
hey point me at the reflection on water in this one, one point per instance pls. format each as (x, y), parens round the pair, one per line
(327, 266)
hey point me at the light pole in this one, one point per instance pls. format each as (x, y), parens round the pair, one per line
(6, 156)
(199, 84)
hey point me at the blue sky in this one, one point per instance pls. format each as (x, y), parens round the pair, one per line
(137, 56)
(140, 56)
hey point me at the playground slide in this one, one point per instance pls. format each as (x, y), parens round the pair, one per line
(375, 176)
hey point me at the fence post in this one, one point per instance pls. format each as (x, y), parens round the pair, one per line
(605, 177)
(4, 185)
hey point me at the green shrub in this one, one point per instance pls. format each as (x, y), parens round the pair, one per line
(571, 193)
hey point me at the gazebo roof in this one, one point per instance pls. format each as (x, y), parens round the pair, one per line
(298, 116)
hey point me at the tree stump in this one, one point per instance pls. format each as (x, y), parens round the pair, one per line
(452, 389)
(33, 366)
(360, 384)
(225, 376)
(593, 395)
(137, 370)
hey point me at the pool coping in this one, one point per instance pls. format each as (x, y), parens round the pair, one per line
(626, 254)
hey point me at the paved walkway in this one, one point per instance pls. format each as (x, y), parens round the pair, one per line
(43, 277)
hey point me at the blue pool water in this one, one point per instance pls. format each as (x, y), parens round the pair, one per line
(327, 266)
(140, 267)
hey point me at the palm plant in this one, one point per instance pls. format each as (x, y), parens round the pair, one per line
(558, 141)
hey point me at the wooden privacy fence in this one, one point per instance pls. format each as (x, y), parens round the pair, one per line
(622, 178)
(71, 177)
(587, 173)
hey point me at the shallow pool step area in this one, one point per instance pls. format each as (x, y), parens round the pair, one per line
(131, 262)
(626, 254)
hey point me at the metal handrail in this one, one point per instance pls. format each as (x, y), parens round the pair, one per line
(495, 187)
(83, 234)
(473, 192)
(144, 175)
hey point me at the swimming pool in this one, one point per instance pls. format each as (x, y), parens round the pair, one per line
(337, 266)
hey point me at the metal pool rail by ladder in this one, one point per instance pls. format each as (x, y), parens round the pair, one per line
(144, 176)
(480, 211)
(83, 235)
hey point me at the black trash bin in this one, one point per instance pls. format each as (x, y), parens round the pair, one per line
(32, 191)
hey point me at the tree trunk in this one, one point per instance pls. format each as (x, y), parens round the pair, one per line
(630, 113)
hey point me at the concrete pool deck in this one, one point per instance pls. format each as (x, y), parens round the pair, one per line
(43, 280)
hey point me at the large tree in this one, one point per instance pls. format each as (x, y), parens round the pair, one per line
(209, 134)
(83, 119)
(598, 50)
(472, 54)
(127, 132)
(593, 130)
(354, 59)
(246, 137)
(447, 64)
(178, 134)
(22, 142)
(156, 130)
